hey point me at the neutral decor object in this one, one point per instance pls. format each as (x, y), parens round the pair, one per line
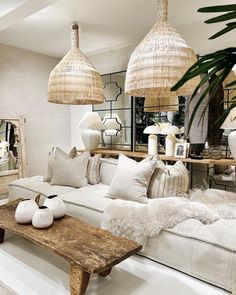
(169, 181)
(70, 172)
(152, 138)
(56, 205)
(75, 80)
(42, 218)
(170, 140)
(25, 211)
(160, 60)
(131, 179)
(181, 150)
(92, 124)
(162, 104)
(230, 123)
(88, 249)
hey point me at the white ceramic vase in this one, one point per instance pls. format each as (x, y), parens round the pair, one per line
(25, 211)
(56, 205)
(91, 139)
(42, 217)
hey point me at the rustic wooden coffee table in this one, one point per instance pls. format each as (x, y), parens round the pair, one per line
(87, 248)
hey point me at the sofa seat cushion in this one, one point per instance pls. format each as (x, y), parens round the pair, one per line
(28, 187)
(207, 252)
(90, 196)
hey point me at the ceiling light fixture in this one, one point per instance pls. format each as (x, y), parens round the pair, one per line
(75, 80)
(160, 60)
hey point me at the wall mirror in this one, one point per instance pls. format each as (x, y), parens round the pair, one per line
(13, 163)
(116, 113)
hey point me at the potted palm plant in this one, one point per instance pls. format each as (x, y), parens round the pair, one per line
(215, 66)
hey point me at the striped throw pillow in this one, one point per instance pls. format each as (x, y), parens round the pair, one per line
(169, 181)
(93, 173)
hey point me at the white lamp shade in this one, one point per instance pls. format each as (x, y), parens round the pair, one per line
(230, 121)
(153, 129)
(91, 120)
(171, 130)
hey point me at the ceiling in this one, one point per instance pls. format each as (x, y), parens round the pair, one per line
(44, 26)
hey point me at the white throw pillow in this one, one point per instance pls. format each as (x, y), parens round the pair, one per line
(108, 170)
(70, 172)
(131, 179)
(51, 157)
(169, 181)
(93, 174)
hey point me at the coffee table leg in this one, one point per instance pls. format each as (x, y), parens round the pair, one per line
(105, 273)
(2, 235)
(79, 280)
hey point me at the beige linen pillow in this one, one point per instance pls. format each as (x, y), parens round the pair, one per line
(131, 179)
(70, 172)
(93, 173)
(51, 157)
(169, 181)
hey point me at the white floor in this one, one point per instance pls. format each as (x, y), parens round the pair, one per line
(31, 270)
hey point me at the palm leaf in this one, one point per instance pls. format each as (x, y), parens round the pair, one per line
(219, 8)
(221, 18)
(223, 31)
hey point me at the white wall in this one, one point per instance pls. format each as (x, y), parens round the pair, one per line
(23, 91)
(107, 62)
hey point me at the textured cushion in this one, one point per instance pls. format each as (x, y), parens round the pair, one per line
(169, 180)
(107, 170)
(93, 175)
(70, 172)
(51, 157)
(131, 179)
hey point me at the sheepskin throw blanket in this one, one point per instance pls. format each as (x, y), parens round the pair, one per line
(138, 221)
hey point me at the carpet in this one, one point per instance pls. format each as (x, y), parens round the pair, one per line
(5, 290)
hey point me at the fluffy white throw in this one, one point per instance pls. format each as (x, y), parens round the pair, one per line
(137, 221)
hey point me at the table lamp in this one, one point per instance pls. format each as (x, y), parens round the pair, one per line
(230, 123)
(92, 124)
(152, 138)
(171, 140)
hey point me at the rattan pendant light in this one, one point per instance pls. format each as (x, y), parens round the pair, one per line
(162, 104)
(160, 60)
(75, 80)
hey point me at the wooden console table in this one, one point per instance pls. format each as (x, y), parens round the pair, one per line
(143, 155)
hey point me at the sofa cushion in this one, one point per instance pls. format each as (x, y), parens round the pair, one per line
(93, 171)
(90, 196)
(107, 170)
(168, 180)
(70, 172)
(131, 179)
(207, 252)
(28, 187)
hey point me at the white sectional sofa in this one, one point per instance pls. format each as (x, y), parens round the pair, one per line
(207, 252)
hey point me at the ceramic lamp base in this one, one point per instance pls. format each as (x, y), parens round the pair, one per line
(170, 145)
(91, 139)
(152, 144)
(232, 143)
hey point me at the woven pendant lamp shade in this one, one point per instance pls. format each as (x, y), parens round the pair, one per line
(153, 105)
(75, 80)
(160, 60)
